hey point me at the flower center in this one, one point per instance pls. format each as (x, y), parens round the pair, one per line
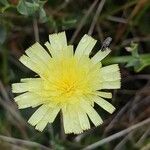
(70, 78)
(67, 87)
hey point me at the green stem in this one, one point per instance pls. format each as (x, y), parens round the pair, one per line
(123, 59)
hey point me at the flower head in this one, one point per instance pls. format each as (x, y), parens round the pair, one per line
(68, 82)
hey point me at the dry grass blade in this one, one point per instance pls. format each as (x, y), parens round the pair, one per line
(117, 19)
(8, 106)
(22, 142)
(83, 21)
(117, 135)
(143, 137)
(146, 147)
(138, 7)
(3, 91)
(36, 30)
(98, 11)
(117, 117)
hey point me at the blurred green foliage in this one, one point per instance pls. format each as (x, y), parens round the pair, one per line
(126, 21)
(32, 9)
(136, 60)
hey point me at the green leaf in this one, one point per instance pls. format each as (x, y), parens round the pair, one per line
(52, 22)
(69, 23)
(42, 15)
(3, 34)
(138, 64)
(4, 2)
(42, 3)
(22, 8)
(27, 8)
(32, 7)
(143, 63)
(132, 62)
(142, 19)
(133, 49)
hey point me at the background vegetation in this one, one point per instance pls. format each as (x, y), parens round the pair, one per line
(22, 22)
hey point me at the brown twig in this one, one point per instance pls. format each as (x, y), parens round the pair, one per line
(116, 118)
(16, 116)
(120, 144)
(135, 39)
(117, 19)
(117, 135)
(99, 31)
(143, 137)
(36, 30)
(95, 18)
(83, 20)
(122, 27)
(62, 6)
(22, 142)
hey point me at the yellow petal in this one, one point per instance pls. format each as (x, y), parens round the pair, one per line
(110, 68)
(68, 51)
(40, 57)
(58, 43)
(93, 115)
(31, 80)
(29, 63)
(38, 114)
(66, 121)
(48, 118)
(32, 85)
(71, 120)
(37, 51)
(110, 73)
(112, 76)
(111, 84)
(51, 50)
(103, 94)
(100, 55)
(83, 119)
(28, 100)
(85, 46)
(104, 104)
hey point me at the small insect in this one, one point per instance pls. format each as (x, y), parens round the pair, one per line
(106, 43)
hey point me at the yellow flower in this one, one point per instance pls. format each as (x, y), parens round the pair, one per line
(68, 82)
